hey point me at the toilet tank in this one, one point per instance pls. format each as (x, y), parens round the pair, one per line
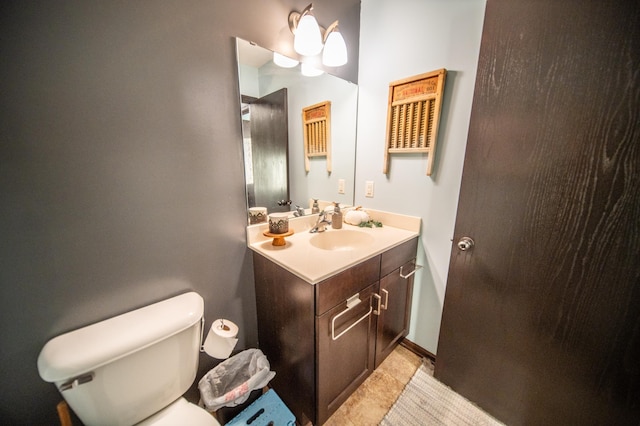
(121, 370)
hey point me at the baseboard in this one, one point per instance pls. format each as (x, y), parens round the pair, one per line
(417, 349)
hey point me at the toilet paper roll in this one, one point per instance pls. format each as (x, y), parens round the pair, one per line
(221, 339)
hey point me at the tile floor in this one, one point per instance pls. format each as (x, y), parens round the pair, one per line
(371, 401)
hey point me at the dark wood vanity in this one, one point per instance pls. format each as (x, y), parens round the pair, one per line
(324, 339)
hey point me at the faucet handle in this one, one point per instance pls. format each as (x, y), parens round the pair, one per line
(299, 211)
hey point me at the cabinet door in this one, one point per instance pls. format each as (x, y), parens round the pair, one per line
(395, 310)
(346, 346)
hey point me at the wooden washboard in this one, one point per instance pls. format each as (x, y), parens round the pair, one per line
(413, 115)
(316, 122)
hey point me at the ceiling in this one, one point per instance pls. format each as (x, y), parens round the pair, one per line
(253, 55)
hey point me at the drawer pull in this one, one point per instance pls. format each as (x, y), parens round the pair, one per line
(351, 303)
(415, 268)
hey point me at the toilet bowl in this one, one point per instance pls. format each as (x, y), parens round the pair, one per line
(132, 368)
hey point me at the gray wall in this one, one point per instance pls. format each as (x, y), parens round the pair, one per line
(121, 167)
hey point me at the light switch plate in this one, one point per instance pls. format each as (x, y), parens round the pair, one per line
(340, 186)
(368, 189)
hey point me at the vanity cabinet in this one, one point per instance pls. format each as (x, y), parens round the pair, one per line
(324, 339)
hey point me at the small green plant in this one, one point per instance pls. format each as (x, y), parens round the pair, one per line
(370, 224)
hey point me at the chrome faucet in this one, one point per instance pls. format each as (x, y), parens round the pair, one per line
(321, 223)
(299, 211)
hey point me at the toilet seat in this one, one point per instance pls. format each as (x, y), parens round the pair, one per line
(180, 412)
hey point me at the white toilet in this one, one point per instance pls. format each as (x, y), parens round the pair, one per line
(132, 368)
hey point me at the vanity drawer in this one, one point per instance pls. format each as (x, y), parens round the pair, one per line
(394, 258)
(341, 286)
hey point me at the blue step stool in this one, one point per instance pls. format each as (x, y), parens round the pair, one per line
(268, 410)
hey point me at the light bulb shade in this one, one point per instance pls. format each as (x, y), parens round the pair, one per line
(309, 71)
(307, 40)
(335, 50)
(283, 61)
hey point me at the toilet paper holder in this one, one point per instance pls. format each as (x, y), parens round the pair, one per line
(220, 340)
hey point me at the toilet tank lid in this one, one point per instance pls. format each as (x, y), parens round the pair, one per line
(90, 347)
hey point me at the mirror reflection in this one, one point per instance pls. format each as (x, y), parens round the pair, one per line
(273, 99)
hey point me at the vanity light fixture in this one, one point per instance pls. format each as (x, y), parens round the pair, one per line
(335, 49)
(310, 71)
(284, 61)
(310, 39)
(307, 36)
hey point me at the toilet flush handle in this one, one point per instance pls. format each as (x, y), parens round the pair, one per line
(76, 381)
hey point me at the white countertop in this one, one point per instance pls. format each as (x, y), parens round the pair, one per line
(313, 264)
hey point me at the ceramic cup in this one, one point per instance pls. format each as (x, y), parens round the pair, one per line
(257, 215)
(279, 223)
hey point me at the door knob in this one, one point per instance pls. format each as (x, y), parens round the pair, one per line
(465, 244)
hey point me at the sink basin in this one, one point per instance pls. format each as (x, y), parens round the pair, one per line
(341, 240)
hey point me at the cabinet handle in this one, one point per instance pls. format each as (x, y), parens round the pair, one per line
(379, 308)
(386, 299)
(415, 268)
(349, 307)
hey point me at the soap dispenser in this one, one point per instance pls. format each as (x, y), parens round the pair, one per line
(315, 208)
(336, 218)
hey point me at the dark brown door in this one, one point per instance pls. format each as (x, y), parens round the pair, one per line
(269, 152)
(541, 321)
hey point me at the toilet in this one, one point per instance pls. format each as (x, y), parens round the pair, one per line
(132, 369)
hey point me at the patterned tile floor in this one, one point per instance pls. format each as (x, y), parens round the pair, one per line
(371, 401)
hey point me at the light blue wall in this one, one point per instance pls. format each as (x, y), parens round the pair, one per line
(399, 39)
(302, 92)
(249, 81)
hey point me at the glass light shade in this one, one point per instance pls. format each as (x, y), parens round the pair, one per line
(283, 61)
(309, 71)
(308, 40)
(335, 50)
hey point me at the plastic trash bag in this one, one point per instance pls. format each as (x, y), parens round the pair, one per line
(230, 382)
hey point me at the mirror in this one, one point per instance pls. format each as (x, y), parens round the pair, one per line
(272, 101)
